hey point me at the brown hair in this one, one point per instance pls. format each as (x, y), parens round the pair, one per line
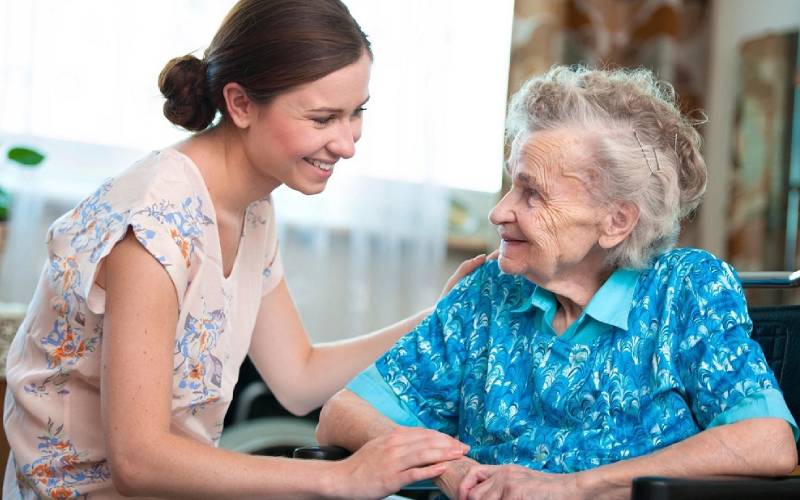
(266, 46)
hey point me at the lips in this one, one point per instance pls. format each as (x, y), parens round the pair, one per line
(508, 238)
(324, 165)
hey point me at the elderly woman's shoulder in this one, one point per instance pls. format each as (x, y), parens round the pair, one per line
(491, 272)
(489, 278)
(684, 256)
(691, 264)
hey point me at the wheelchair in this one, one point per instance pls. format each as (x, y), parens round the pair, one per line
(257, 424)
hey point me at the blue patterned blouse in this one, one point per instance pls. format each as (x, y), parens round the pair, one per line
(657, 356)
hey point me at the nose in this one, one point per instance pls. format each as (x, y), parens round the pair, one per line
(343, 144)
(502, 213)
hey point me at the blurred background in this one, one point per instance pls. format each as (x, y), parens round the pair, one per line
(78, 86)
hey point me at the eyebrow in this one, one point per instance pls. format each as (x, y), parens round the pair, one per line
(336, 110)
(525, 179)
(519, 176)
(532, 182)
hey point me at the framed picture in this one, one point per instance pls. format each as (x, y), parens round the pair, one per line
(762, 218)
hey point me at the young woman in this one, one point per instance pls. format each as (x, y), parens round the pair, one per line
(160, 283)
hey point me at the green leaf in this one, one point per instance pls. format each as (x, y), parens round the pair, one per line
(5, 205)
(25, 156)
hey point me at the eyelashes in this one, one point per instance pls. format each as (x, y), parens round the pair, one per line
(325, 120)
(530, 195)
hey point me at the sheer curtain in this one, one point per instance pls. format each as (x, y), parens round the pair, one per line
(79, 77)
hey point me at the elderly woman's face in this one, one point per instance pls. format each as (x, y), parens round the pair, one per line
(549, 223)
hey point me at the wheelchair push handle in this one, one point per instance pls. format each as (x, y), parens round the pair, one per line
(770, 279)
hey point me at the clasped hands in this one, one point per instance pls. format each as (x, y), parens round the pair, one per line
(406, 455)
(466, 479)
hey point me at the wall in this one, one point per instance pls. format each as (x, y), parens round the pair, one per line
(733, 21)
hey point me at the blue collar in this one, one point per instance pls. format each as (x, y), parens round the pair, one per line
(610, 304)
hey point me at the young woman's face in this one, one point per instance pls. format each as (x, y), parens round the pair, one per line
(298, 137)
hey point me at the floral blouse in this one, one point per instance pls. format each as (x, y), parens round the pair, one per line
(656, 357)
(52, 407)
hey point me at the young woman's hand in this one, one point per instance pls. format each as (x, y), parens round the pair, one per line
(464, 269)
(387, 463)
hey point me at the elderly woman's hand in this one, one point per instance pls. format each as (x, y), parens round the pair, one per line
(453, 475)
(512, 482)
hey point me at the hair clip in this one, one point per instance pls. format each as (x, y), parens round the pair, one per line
(644, 154)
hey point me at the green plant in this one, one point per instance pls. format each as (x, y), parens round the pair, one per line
(25, 157)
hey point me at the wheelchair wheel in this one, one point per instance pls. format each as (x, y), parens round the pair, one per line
(270, 436)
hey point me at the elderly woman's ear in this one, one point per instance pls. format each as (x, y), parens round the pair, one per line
(618, 224)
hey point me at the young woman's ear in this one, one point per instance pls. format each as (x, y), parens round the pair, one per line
(618, 224)
(239, 106)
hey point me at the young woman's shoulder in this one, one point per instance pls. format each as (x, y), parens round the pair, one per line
(166, 173)
(160, 198)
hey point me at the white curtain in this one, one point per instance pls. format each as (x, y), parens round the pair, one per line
(374, 254)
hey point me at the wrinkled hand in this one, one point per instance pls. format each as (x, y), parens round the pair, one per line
(454, 474)
(387, 463)
(512, 482)
(464, 269)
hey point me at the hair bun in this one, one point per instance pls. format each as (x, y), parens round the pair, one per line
(183, 84)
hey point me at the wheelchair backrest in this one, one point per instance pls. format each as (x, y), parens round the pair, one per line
(777, 330)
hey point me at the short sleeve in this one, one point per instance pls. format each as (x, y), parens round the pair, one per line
(370, 386)
(766, 403)
(725, 374)
(425, 367)
(169, 242)
(80, 240)
(272, 271)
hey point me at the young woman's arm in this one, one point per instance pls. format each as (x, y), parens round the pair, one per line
(303, 376)
(148, 458)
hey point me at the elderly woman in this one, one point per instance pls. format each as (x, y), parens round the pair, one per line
(591, 352)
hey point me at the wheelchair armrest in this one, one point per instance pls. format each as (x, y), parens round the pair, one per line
(755, 488)
(321, 453)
